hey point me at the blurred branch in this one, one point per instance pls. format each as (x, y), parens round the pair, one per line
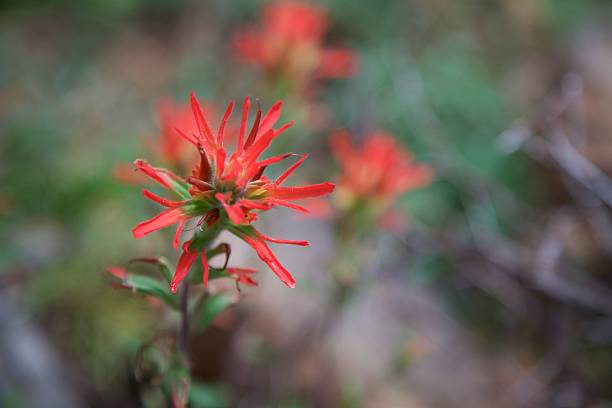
(536, 269)
(574, 164)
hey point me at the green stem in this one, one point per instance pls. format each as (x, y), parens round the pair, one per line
(184, 328)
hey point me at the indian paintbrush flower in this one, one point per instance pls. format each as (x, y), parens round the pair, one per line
(376, 173)
(290, 43)
(225, 191)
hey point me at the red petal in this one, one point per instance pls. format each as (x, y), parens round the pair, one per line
(156, 174)
(220, 162)
(284, 241)
(313, 190)
(177, 234)
(242, 275)
(287, 204)
(162, 220)
(117, 272)
(241, 271)
(228, 112)
(283, 128)
(188, 138)
(274, 159)
(338, 63)
(166, 203)
(254, 129)
(415, 177)
(266, 255)
(253, 204)
(253, 169)
(341, 146)
(233, 211)
(125, 173)
(184, 264)
(201, 120)
(205, 268)
(253, 151)
(202, 185)
(243, 121)
(250, 46)
(270, 118)
(203, 170)
(247, 280)
(290, 170)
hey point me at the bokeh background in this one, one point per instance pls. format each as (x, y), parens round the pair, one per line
(497, 293)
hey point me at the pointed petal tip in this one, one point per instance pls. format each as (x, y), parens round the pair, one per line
(173, 287)
(117, 272)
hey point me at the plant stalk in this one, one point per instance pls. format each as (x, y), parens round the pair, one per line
(184, 328)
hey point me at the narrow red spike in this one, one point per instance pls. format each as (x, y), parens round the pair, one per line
(254, 129)
(295, 193)
(184, 264)
(266, 255)
(243, 122)
(201, 120)
(271, 117)
(160, 200)
(205, 268)
(202, 185)
(205, 171)
(161, 220)
(177, 235)
(228, 112)
(290, 170)
(185, 136)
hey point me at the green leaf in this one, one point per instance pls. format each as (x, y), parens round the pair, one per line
(208, 395)
(152, 287)
(165, 268)
(211, 307)
(182, 189)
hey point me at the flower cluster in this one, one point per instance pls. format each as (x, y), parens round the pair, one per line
(224, 192)
(379, 171)
(291, 43)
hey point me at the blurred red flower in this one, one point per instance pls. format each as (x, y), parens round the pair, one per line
(243, 275)
(379, 170)
(169, 146)
(290, 43)
(225, 192)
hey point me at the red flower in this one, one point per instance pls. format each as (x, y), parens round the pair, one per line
(290, 42)
(170, 147)
(243, 275)
(380, 169)
(117, 271)
(224, 192)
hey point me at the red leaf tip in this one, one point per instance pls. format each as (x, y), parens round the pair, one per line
(117, 272)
